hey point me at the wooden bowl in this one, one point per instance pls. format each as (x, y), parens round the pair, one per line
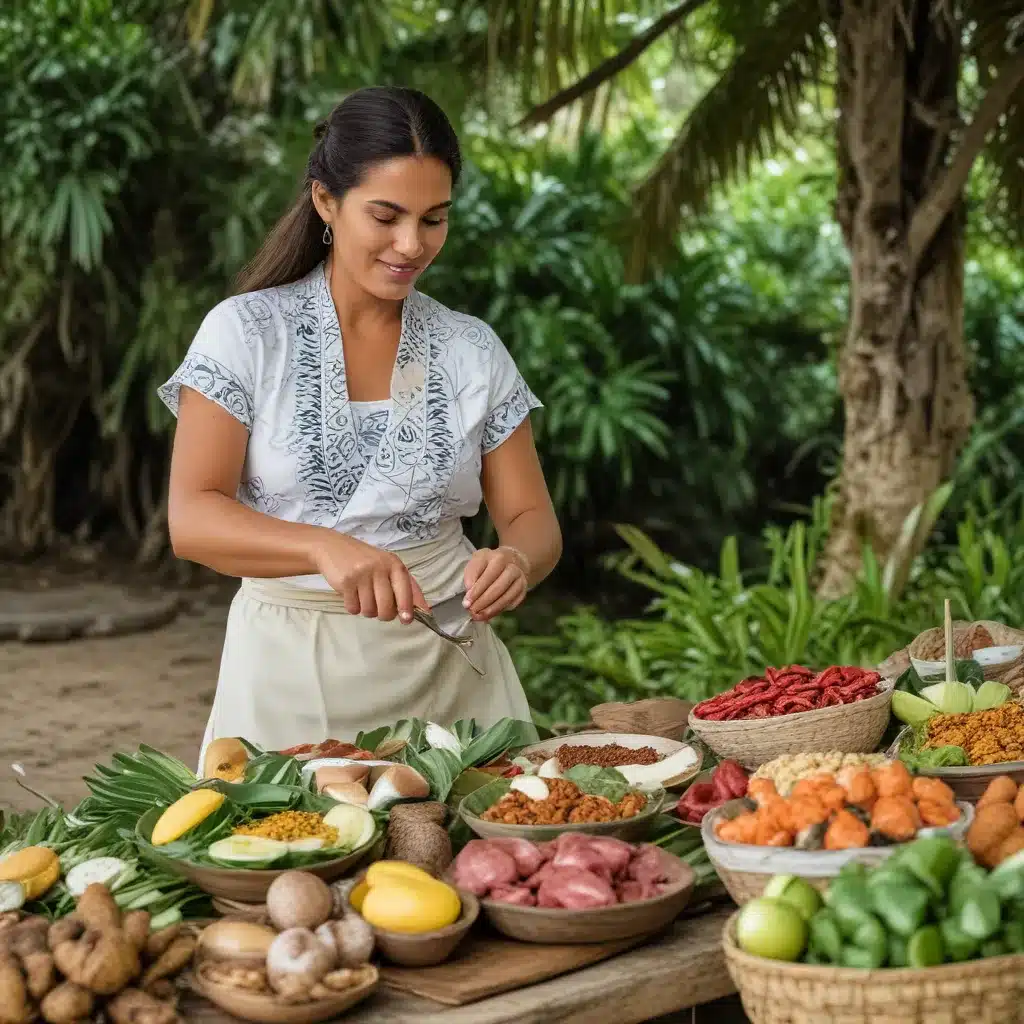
(663, 746)
(267, 1009)
(254, 912)
(245, 885)
(428, 948)
(633, 829)
(555, 926)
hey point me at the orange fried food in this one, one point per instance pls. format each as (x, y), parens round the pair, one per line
(932, 790)
(761, 790)
(937, 812)
(741, 829)
(780, 839)
(833, 797)
(1012, 844)
(892, 779)
(807, 811)
(859, 786)
(895, 817)
(846, 832)
(769, 833)
(1001, 790)
(1018, 804)
(813, 785)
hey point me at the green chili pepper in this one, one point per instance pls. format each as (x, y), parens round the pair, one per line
(925, 947)
(825, 937)
(959, 945)
(898, 951)
(1013, 936)
(994, 947)
(867, 959)
(933, 861)
(903, 908)
(980, 914)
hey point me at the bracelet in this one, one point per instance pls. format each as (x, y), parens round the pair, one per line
(521, 560)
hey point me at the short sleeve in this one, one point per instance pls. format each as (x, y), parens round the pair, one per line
(219, 365)
(510, 400)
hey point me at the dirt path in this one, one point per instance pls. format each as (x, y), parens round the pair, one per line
(65, 706)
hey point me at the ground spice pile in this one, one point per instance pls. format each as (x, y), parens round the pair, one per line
(290, 825)
(987, 737)
(608, 756)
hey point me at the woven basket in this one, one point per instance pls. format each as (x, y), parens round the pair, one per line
(746, 870)
(987, 991)
(850, 728)
(1009, 672)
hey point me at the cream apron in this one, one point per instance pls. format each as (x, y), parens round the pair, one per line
(297, 668)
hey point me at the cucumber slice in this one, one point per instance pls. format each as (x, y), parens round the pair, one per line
(247, 851)
(310, 845)
(12, 896)
(100, 869)
(355, 825)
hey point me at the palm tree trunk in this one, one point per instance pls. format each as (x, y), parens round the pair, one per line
(908, 408)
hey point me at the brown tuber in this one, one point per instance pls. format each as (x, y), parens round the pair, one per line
(40, 973)
(68, 1003)
(96, 907)
(67, 929)
(159, 941)
(135, 924)
(15, 1005)
(28, 936)
(133, 1006)
(103, 962)
(171, 960)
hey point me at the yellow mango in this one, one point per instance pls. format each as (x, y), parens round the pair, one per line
(357, 895)
(36, 867)
(382, 870)
(184, 814)
(411, 905)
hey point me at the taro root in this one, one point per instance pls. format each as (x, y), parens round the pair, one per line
(103, 962)
(68, 1003)
(133, 1006)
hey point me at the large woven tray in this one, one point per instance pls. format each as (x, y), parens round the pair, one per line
(987, 991)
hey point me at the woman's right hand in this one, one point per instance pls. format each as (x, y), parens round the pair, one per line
(373, 583)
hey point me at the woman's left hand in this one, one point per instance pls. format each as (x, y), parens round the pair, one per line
(496, 581)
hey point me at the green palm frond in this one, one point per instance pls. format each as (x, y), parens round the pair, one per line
(547, 43)
(742, 118)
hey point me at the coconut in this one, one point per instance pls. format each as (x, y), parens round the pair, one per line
(416, 834)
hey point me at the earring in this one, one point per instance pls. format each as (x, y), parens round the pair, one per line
(328, 234)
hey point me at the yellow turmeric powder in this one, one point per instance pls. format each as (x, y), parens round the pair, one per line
(987, 737)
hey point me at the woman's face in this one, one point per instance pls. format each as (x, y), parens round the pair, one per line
(389, 228)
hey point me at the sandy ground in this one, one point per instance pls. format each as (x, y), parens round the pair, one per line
(65, 706)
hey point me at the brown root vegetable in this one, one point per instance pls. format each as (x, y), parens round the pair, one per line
(9, 919)
(1001, 790)
(157, 942)
(164, 990)
(15, 1005)
(103, 962)
(40, 973)
(135, 924)
(68, 1003)
(1018, 804)
(27, 936)
(67, 929)
(171, 960)
(133, 1006)
(417, 836)
(96, 907)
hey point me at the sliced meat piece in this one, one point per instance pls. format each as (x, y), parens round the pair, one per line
(652, 864)
(526, 855)
(630, 892)
(481, 866)
(517, 894)
(575, 890)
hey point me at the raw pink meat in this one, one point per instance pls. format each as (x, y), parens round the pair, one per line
(537, 877)
(481, 866)
(652, 864)
(526, 855)
(575, 890)
(516, 894)
(629, 891)
(577, 852)
(616, 852)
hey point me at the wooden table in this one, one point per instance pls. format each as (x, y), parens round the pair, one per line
(683, 969)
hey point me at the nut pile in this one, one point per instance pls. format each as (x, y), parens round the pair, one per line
(94, 959)
(566, 804)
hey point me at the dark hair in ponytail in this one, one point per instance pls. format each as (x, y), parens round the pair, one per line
(368, 127)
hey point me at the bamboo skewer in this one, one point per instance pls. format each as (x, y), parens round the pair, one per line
(950, 662)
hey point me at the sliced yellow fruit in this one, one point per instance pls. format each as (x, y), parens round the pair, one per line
(411, 906)
(184, 814)
(35, 867)
(355, 825)
(381, 871)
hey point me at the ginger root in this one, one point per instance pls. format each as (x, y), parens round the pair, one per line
(15, 1005)
(103, 962)
(67, 929)
(135, 924)
(171, 960)
(28, 936)
(68, 1003)
(96, 907)
(40, 973)
(133, 1006)
(158, 942)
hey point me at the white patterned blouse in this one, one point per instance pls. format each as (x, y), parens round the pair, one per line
(393, 475)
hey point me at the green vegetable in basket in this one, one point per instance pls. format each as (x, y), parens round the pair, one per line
(800, 895)
(925, 947)
(1013, 936)
(933, 861)
(826, 940)
(957, 943)
(980, 914)
(903, 907)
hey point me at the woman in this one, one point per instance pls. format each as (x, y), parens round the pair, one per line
(334, 426)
